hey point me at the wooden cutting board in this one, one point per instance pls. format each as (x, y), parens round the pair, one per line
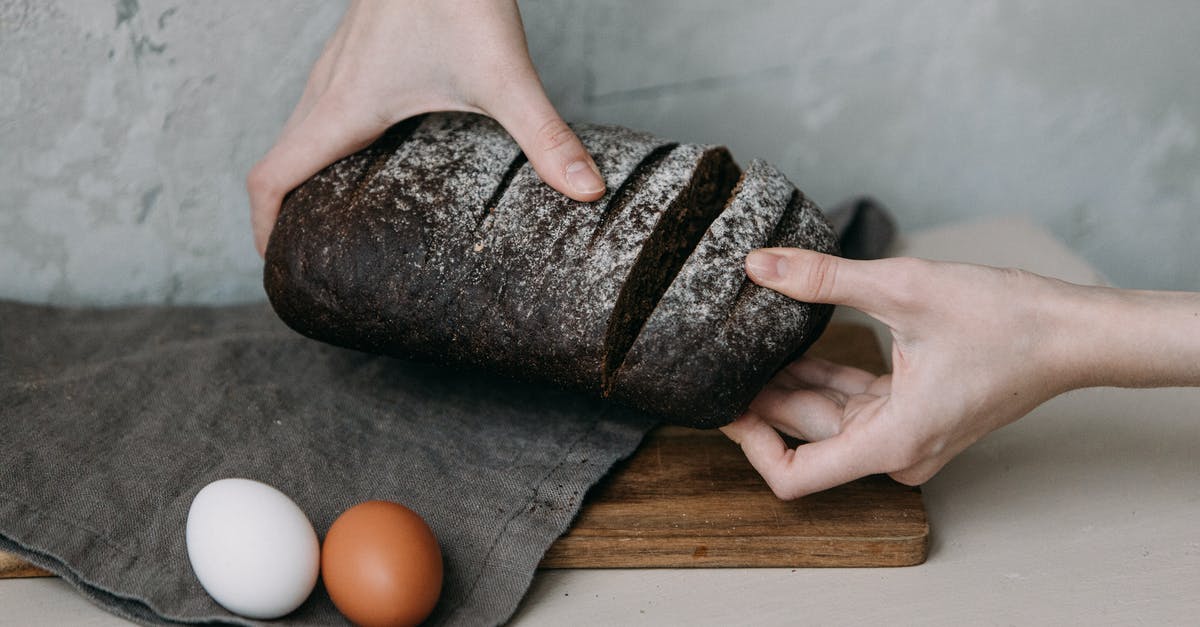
(12, 567)
(688, 498)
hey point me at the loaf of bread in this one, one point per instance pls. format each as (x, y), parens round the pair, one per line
(440, 242)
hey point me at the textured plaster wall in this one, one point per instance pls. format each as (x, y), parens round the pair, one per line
(126, 128)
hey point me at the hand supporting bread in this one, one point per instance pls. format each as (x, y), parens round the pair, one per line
(389, 61)
(974, 348)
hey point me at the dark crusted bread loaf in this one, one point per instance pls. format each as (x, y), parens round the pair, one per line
(439, 241)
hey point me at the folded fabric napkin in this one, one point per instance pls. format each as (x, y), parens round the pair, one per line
(113, 419)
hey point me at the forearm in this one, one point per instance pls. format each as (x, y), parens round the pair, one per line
(1129, 338)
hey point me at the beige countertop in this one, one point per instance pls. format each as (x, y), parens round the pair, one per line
(1087, 511)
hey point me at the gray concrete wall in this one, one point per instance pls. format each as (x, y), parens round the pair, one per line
(126, 128)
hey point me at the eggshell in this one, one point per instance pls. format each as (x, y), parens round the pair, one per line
(381, 565)
(252, 548)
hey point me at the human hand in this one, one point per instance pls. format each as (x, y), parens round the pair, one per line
(389, 61)
(974, 348)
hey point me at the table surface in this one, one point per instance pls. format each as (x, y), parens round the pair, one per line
(1085, 512)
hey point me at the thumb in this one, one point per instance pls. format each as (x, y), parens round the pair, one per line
(554, 151)
(814, 277)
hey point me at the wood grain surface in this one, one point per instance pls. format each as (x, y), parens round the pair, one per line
(689, 498)
(12, 567)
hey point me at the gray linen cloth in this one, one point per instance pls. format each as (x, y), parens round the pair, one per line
(113, 419)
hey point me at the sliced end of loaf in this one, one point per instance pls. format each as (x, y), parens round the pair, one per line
(675, 235)
(715, 337)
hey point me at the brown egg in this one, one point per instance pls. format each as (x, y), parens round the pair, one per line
(381, 565)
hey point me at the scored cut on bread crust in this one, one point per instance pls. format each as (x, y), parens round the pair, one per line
(714, 332)
(520, 311)
(682, 207)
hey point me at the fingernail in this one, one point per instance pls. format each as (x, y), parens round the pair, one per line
(584, 178)
(765, 266)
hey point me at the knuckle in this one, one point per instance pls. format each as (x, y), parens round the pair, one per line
(783, 491)
(1018, 277)
(821, 277)
(553, 134)
(933, 448)
(780, 479)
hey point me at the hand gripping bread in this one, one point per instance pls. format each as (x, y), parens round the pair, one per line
(440, 242)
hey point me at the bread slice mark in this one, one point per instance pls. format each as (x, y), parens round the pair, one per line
(794, 206)
(799, 210)
(386, 147)
(519, 160)
(679, 229)
(628, 187)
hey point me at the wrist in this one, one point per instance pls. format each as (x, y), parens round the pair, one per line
(1060, 334)
(1126, 338)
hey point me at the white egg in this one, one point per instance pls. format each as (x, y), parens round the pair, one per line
(252, 548)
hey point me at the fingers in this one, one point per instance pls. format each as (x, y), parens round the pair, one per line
(809, 276)
(805, 414)
(554, 151)
(816, 372)
(329, 132)
(792, 473)
(807, 399)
